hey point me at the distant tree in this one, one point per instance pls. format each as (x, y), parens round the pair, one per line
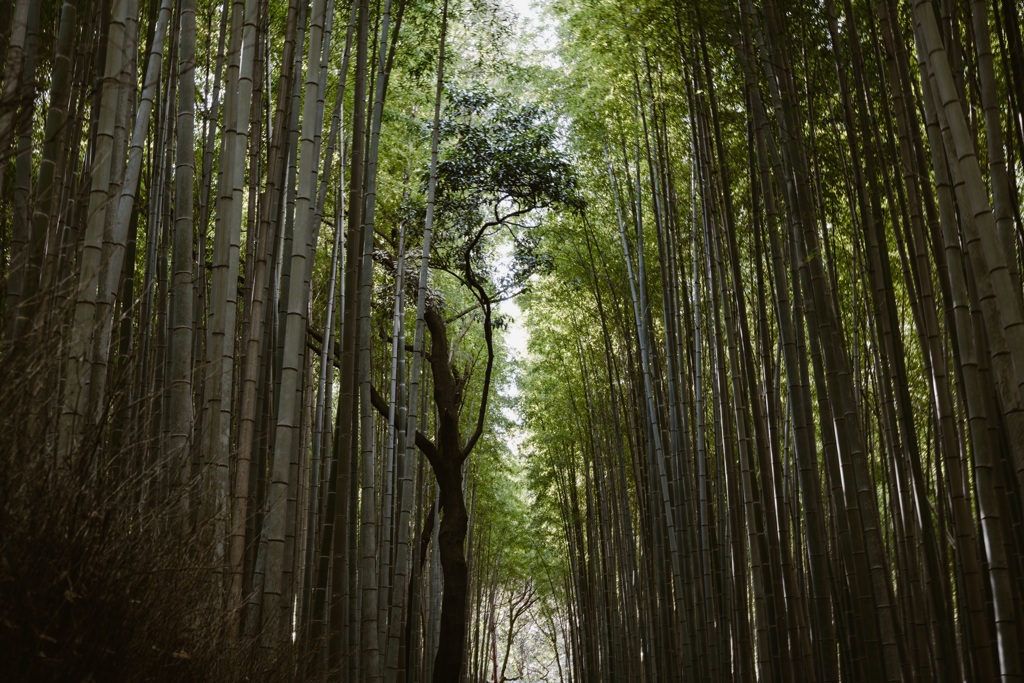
(500, 170)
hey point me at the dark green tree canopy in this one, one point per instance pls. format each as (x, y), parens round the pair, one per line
(501, 172)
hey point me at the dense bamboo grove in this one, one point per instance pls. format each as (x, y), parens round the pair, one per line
(260, 415)
(248, 308)
(783, 342)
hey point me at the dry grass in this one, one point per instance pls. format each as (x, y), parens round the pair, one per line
(95, 584)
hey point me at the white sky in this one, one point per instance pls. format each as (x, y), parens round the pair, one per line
(524, 8)
(535, 36)
(535, 33)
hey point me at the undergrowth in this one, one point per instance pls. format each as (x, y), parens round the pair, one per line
(101, 579)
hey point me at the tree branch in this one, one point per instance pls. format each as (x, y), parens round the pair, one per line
(485, 302)
(422, 442)
(502, 295)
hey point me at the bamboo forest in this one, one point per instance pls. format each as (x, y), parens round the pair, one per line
(480, 341)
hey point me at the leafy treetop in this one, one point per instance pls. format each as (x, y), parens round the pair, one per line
(500, 171)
